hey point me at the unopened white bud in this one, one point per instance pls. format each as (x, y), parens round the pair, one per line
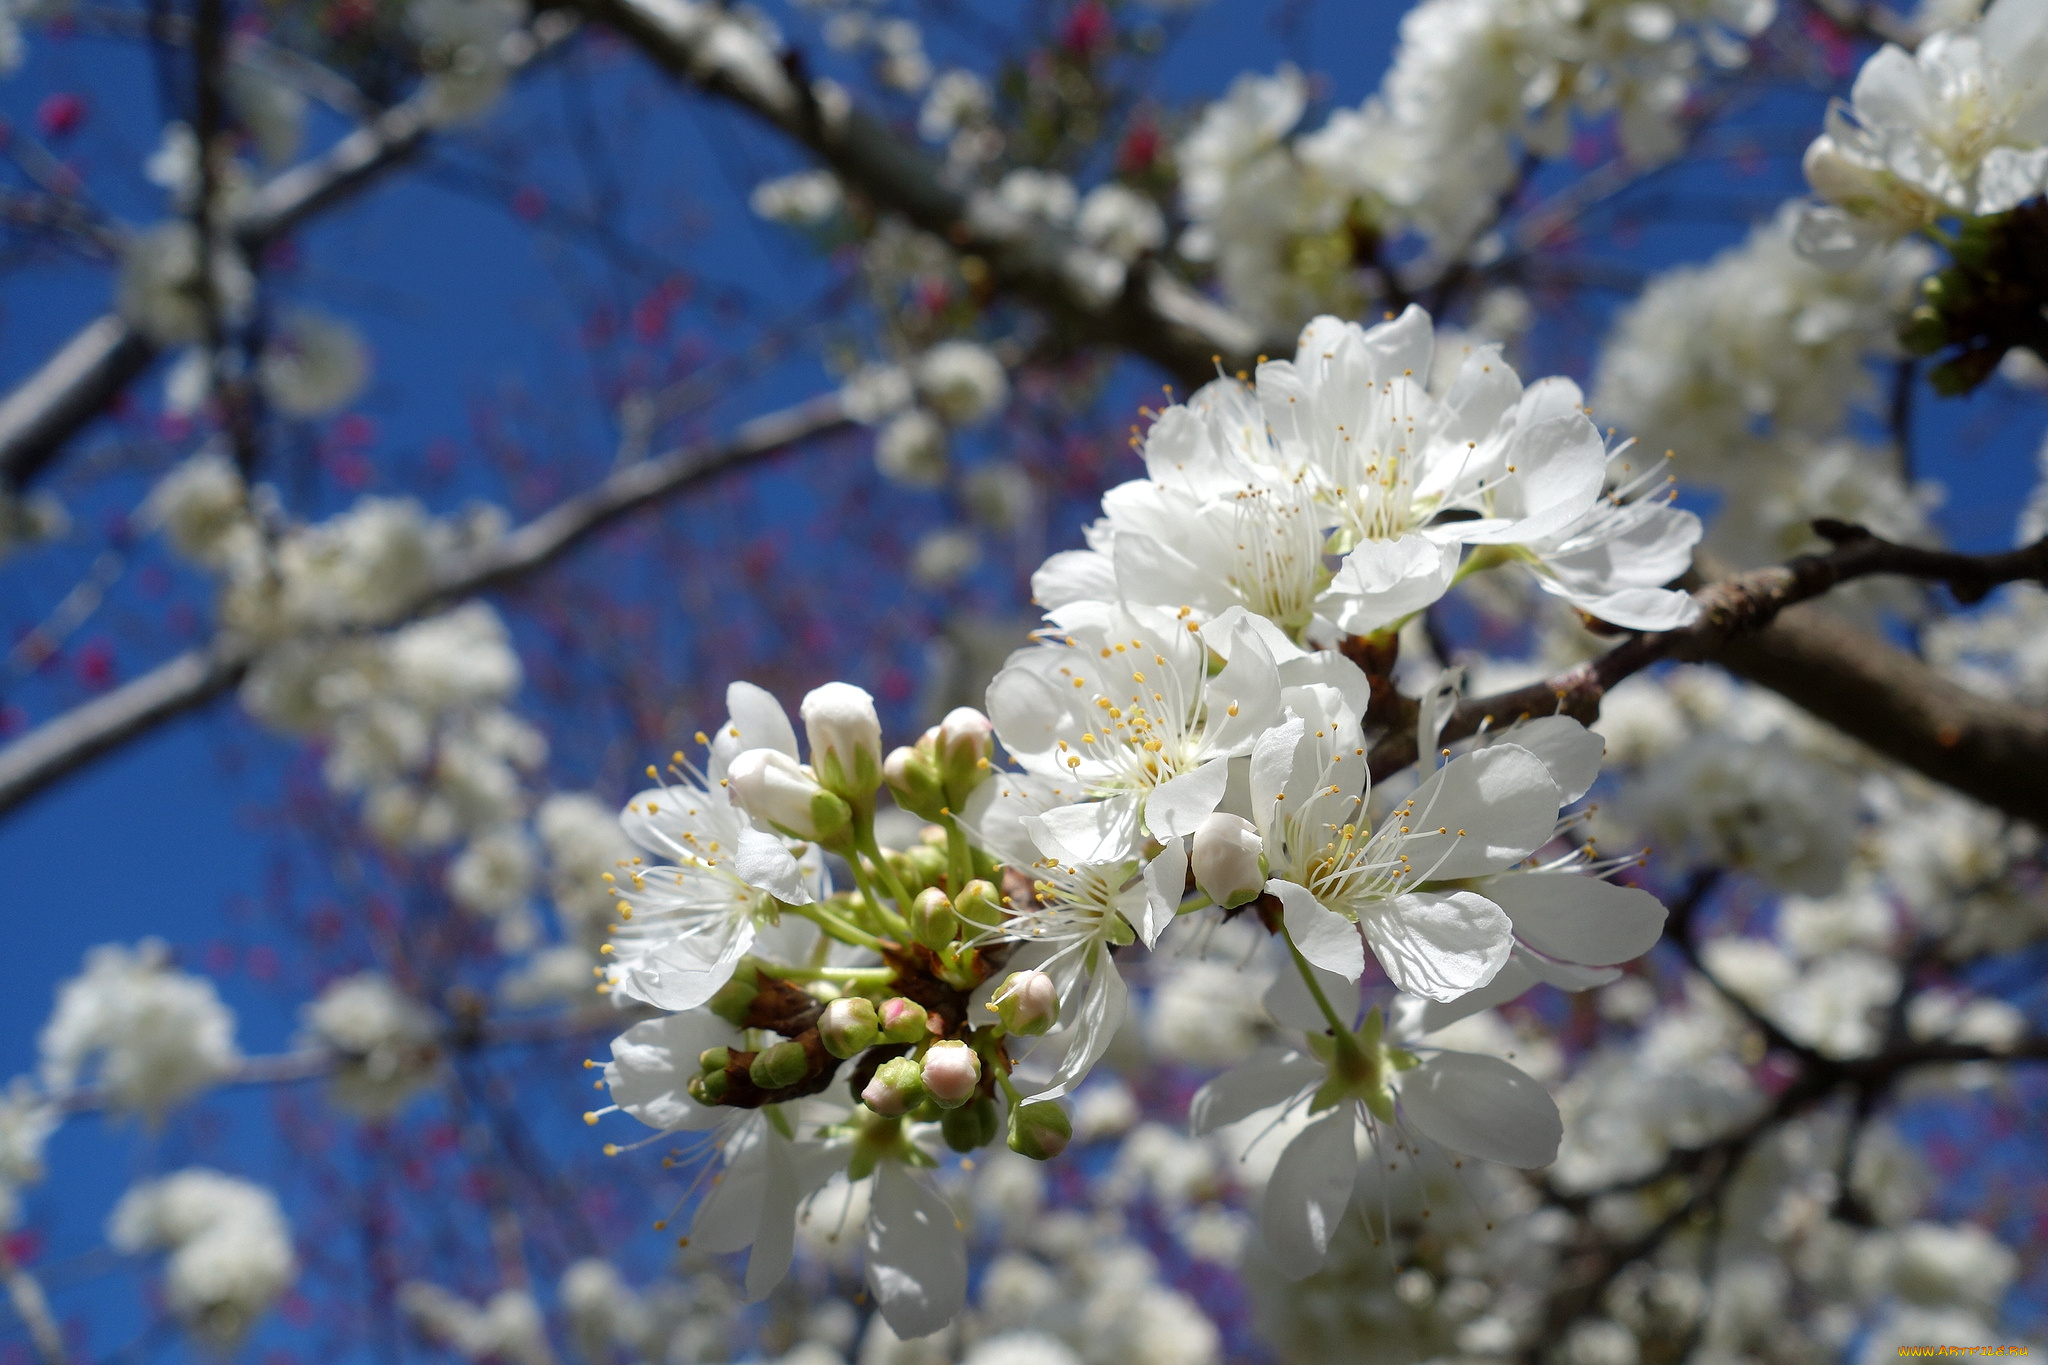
(846, 739)
(770, 785)
(1229, 860)
(952, 1070)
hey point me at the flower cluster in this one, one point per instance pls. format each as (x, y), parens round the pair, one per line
(1474, 83)
(230, 1248)
(1957, 128)
(1191, 744)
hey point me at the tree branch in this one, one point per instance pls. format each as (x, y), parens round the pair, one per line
(1751, 624)
(64, 744)
(1156, 315)
(77, 383)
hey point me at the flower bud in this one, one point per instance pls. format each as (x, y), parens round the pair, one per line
(846, 739)
(781, 1065)
(898, 1085)
(914, 781)
(979, 903)
(710, 1088)
(714, 1059)
(1028, 1003)
(1229, 860)
(966, 738)
(972, 1125)
(849, 1026)
(932, 921)
(920, 865)
(904, 1021)
(735, 998)
(770, 785)
(952, 1070)
(1040, 1131)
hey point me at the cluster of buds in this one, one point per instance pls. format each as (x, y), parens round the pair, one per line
(934, 777)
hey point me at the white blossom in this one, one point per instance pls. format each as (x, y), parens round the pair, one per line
(230, 1249)
(159, 1035)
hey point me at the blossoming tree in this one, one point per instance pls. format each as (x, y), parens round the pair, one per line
(1408, 857)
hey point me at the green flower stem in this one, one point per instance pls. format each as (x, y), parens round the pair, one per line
(886, 920)
(864, 840)
(870, 976)
(1200, 902)
(837, 927)
(1337, 1026)
(959, 857)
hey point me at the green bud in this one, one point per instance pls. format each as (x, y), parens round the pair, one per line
(963, 742)
(830, 816)
(782, 1065)
(924, 864)
(972, 1125)
(904, 1021)
(709, 1089)
(914, 781)
(1040, 1131)
(849, 1026)
(714, 1059)
(736, 996)
(897, 1087)
(980, 903)
(932, 921)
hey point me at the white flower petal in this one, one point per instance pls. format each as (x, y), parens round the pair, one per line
(1579, 919)
(917, 1259)
(1268, 1077)
(775, 1230)
(1438, 946)
(765, 863)
(1291, 1006)
(652, 1063)
(679, 976)
(1570, 751)
(1176, 807)
(1101, 1014)
(1166, 879)
(1383, 581)
(1482, 811)
(1482, 1107)
(1308, 1193)
(1094, 832)
(1325, 938)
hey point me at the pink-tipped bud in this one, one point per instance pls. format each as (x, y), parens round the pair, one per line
(1028, 1003)
(904, 1021)
(898, 1086)
(1229, 860)
(952, 1070)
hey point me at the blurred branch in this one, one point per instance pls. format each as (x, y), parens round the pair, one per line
(1750, 623)
(1156, 315)
(32, 1306)
(64, 744)
(50, 406)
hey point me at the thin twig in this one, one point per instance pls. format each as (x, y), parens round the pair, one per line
(68, 742)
